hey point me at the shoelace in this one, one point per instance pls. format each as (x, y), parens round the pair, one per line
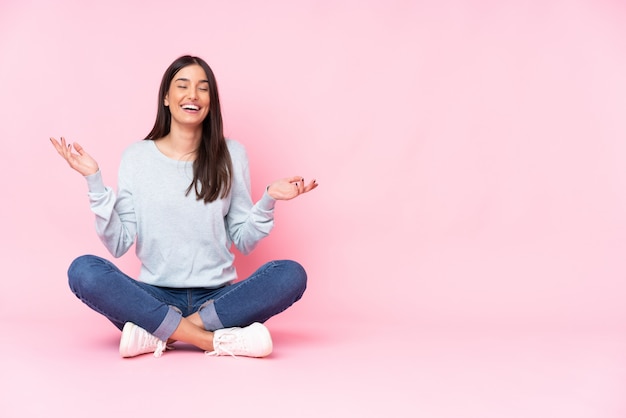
(160, 348)
(218, 349)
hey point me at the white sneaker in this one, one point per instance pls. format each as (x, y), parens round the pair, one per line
(136, 340)
(251, 341)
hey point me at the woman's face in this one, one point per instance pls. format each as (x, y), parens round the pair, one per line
(188, 96)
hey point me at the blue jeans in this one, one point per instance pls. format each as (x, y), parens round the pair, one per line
(104, 288)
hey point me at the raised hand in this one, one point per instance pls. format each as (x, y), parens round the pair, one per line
(288, 188)
(79, 161)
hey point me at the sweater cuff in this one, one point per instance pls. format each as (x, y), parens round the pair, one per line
(95, 183)
(267, 202)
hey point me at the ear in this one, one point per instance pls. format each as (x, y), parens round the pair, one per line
(166, 101)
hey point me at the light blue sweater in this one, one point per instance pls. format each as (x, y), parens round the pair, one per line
(181, 242)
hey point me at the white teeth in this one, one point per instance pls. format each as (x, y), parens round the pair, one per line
(190, 107)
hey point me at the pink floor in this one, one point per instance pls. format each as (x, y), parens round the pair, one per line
(354, 368)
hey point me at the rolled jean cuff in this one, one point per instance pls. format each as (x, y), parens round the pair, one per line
(168, 326)
(209, 317)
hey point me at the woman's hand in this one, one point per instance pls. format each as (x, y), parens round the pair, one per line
(81, 162)
(288, 188)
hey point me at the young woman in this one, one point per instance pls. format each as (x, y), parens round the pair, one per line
(184, 197)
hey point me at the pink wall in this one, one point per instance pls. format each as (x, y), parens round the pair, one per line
(470, 154)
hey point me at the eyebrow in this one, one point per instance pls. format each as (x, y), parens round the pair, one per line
(186, 79)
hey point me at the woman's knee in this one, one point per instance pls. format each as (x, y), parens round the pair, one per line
(82, 273)
(295, 274)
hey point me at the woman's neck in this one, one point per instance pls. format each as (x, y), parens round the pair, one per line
(180, 144)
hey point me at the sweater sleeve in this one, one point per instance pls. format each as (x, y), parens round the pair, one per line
(247, 223)
(115, 218)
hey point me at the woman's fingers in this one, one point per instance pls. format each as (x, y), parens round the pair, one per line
(79, 160)
(293, 187)
(61, 147)
(56, 145)
(78, 148)
(301, 187)
(312, 185)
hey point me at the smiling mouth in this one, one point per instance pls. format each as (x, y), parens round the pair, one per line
(190, 107)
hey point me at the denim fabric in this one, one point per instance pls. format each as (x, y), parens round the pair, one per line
(103, 287)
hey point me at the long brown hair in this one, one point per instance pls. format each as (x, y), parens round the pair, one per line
(212, 168)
